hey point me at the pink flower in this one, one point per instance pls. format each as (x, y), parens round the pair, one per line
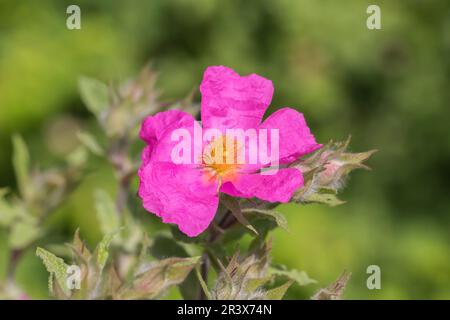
(188, 194)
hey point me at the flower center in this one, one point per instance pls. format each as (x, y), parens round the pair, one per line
(220, 158)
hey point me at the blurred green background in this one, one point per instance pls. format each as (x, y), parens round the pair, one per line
(388, 88)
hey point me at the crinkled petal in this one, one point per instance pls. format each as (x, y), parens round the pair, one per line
(153, 127)
(169, 131)
(232, 101)
(295, 138)
(277, 187)
(146, 156)
(179, 194)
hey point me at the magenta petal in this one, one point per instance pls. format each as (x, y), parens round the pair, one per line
(157, 132)
(232, 101)
(178, 194)
(146, 156)
(295, 138)
(278, 187)
(153, 127)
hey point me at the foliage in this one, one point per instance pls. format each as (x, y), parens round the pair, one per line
(386, 88)
(120, 266)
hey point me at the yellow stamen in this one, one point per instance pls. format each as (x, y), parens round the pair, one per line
(220, 159)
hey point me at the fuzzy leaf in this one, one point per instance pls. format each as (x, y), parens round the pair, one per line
(22, 234)
(113, 283)
(21, 163)
(83, 258)
(78, 157)
(271, 214)
(5, 252)
(243, 277)
(7, 212)
(254, 284)
(107, 214)
(159, 276)
(95, 94)
(56, 289)
(324, 198)
(224, 288)
(335, 290)
(164, 247)
(279, 292)
(179, 236)
(326, 171)
(233, 205)
(90, 142)
(190, 287)
(300, 277)
(79, 248)
(102, 250)
(56, 267)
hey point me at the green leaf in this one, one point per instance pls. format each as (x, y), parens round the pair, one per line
(95, 94)
(272, 214)
(7, 212)
(21, 163)
(22, 234)
(254, 284)
(5, 252)
(113, 282)
(335, 290)
(180, 236)
(145, 245)
(190, 287)
(279, 292)
(78, 157)
(228, 280)
(57, 291)
(357, 158)
(164, 247)
(90, 142)
(300, 277)
(233, 205)
(83, 258)
(262, 225)
(325, 198)
(159, 276)
(102, 250)
(242, 276)
(82, 253)
(176, 269)
(107, 214)
(56, 267)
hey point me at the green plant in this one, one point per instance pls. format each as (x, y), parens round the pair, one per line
(129, 263)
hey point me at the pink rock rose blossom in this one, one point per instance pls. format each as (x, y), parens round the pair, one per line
(188, 194)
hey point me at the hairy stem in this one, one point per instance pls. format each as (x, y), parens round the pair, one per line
(118, 157)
